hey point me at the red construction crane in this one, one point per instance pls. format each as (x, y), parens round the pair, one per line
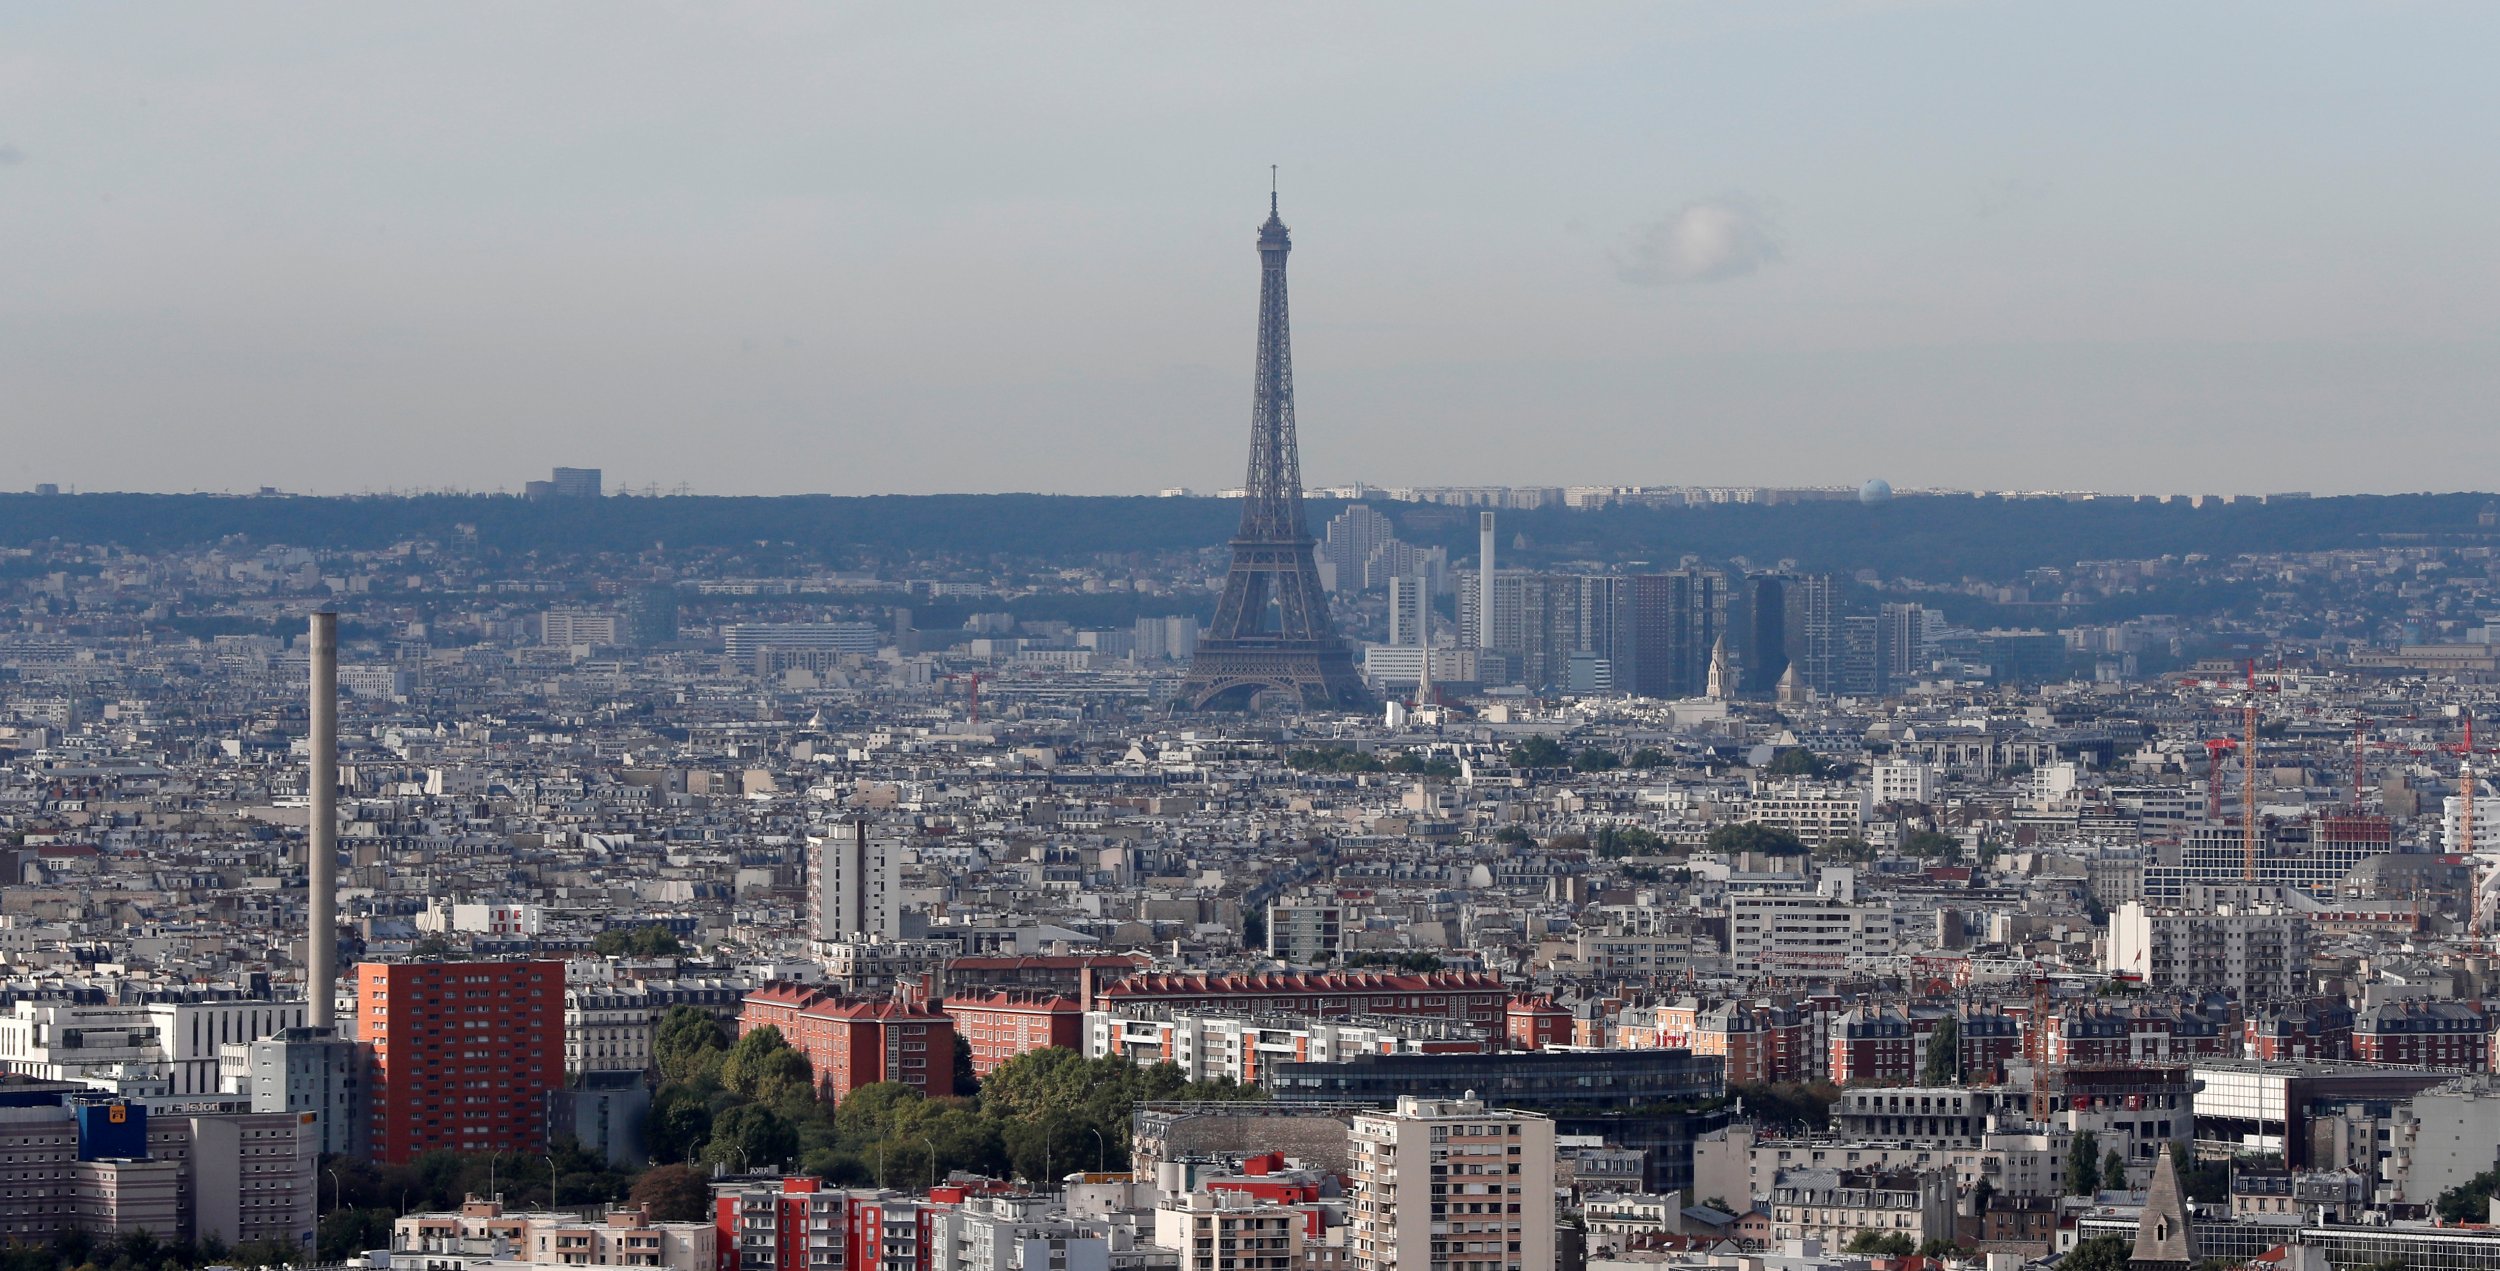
(972, 693)
(2248, 779)
(2039, 1046)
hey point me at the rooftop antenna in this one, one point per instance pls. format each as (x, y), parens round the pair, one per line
(1271, 189)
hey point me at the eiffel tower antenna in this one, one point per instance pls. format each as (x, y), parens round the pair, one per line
(1273, 571)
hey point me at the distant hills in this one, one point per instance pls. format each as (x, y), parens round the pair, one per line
(1934, 538)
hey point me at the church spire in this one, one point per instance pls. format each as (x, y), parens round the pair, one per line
(2164, 1241)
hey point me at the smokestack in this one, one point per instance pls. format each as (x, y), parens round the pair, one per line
(1484, 581)
(321, 940)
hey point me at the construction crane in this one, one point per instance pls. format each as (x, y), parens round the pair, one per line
(972, 693)
(2248, 774)
(2467, 845)
(2039, 1046)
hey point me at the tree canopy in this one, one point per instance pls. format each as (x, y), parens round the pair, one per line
(1943, 1066)
(2100, 1253)
(649, 941)
(1539, 752)
(1753, 836)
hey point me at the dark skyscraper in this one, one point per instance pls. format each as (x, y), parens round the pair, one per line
(1271, 629)
(1675, 618)
(1763, 638)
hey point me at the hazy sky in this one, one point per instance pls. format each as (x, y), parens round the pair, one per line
(915, 247)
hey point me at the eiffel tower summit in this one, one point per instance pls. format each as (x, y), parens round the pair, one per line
(1272, 635)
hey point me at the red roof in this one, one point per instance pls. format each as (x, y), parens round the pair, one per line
(1305, 982)
(812, 999)
(1015, 1000)
(1048, 962)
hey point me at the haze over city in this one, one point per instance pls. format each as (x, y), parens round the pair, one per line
(1840, 636)
(784, 248)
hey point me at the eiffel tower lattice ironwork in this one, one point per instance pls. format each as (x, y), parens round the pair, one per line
(1271, 631)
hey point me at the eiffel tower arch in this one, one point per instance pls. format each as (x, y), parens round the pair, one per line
(1272, 633)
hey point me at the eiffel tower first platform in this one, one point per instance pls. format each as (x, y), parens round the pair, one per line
(1272, 633)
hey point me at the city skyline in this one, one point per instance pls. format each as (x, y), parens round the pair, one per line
(1942, 244)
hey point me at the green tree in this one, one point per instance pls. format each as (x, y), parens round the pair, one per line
(751, 1137)
(1614, 842)
(674, 1193)
(1848, 849)
(2205, 1182)
(967, 1084)
(679, 1121)
(1538, 752)
(2470, 1201)
(1753, 836)
(346, 1233)
(763, 1067)
(1789, 1105)
(2100, 1253)
(2114, 1169)
(1645, 758)
(1344, 759)
(2083, 1165)
(1930, 845)
(1594, 759)
(1943, 1066)
(1796, 761)
(648, 941)
(689, 1045)
(1888, 1244)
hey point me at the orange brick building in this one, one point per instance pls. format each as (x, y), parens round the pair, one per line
(464, 1054)
(858, 1043)
(1000, 1026)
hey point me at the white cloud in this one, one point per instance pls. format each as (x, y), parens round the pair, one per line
(1707, 241)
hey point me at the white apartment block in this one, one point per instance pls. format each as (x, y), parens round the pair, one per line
(565, 628)
(607, 1030)
(1012, 1233)
(2255, 952)
(1305, 932)
(1816, 815)
(507, 919)
(1451, 1184)
(1834, 1205)
(372, 681)
(1208, 1045)
(226, 1175)
(481, 1230)
(1904, 781)
(151, 1048)
(1770, 933)
(1613, 953)
(1229, 1231)
(854, 885)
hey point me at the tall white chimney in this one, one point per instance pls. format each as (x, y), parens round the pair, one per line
(321, 939)
(1484, 581)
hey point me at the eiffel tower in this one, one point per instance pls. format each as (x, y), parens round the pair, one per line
(1271, 632)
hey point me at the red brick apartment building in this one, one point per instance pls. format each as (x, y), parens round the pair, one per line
(464, 1054)
(998, 1027)
(853, 1043)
